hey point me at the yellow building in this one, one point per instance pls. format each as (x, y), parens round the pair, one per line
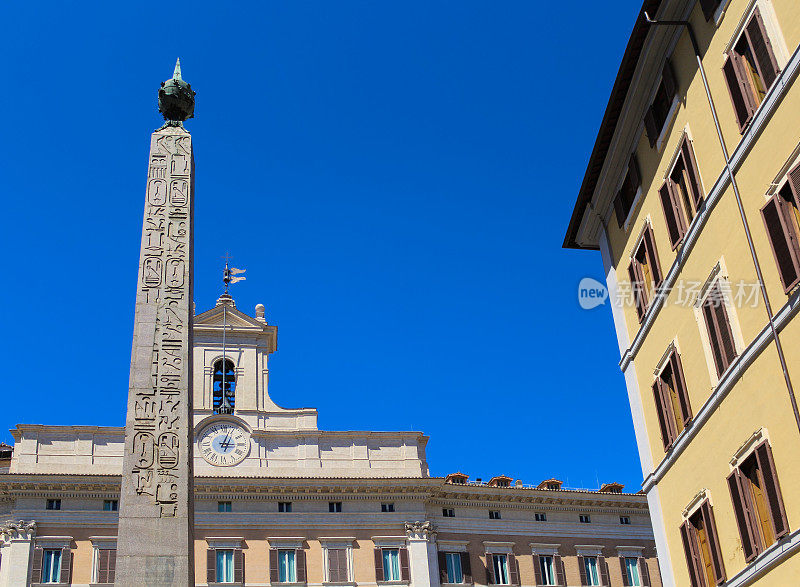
(692, 194)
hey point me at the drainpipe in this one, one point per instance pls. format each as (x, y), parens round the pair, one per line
(734, 184)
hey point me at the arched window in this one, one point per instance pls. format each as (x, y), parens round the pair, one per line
(224, 378)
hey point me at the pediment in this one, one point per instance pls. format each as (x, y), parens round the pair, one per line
(233, 318)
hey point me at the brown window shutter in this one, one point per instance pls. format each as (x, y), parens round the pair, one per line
(652, 255)
(743, 512)
(779, 224)
(794, 184)
(773, 490)
(300, 563)
(644, 572)
(724, 323)
(673, 215)
(66, 564)
(102, 566)
(112, 564)
(625, 581)
(650, 127)
(211, 565)
(466, 567)
(639, 288)
(405, 571)
(274, 576)
(680, 383)
(693, 171)
(442, 567)
(537, 569)
(561, 574)
(668, 79)
(762, 49)
(713, 542)
(603, 566)
(714, 337)
(238, 566)
(664, 419)
(36, 567)
(633, 173)
(709, 8)
(619, 210)
(738, 91)
(692, 555)
(490, 569)
(513, 571)
(582, 570)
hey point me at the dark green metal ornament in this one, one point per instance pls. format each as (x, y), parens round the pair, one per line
(176, 99)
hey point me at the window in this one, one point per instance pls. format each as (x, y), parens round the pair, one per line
(448, 513)
(701, 547)
(540, 517)
(644, 272)
(627, 193)
(757, 502)
(391, 564)
(589, 570)
(387, 507)
(709, 8)
(110, 505)
(781, 216)
(547, 570)
(334, 506)
(453, 567)
(585, 518)
(682, 193)
(656, 116)
(624, 520)
(224, 565)
(337, 565)
(720, 336)
(631, 571)
(672, 400)
(284, 506)
(224, 506)
(494, 515)
(51, 565)
(53, 504)
(750, 69)
(105, 564)
(224, 379)
(500, 568)
(287, 566)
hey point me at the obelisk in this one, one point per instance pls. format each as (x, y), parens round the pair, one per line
(155, 540)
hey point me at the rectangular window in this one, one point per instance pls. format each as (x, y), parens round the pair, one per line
(110, 505)
(500, 568)
(591, 569)
(627, 193)
(709, 8)
(391, 564)
(105, 565)
(494, 515)
(287, 566)
(387, 507)
(625, 520)
(701, 547)
(51, 565)
(285, 506)
(682, 193)
(224, 565)
(750, 69)
(337, 565)
(585, 518)
(672, 400)
(53, 504)
(453, 567)
(547, 570)
(757, 502)
(224, 506)
(781, 216)
(540, 517)
(448, 513)
(656, 116)
(645, 272)
(632, 571)
(334, 506)
(720, 335)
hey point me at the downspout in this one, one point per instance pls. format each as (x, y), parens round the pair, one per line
(745, 224)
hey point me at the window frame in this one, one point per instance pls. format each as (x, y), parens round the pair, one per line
(645, 293)
(631, 184)
(345, 547)
(113, 505)
(334, 507)
(626, 522)
(99, 546)
(540, 516)
(284, 507)
(387, 507)
(662, 395)
(53, 504)
(231, 385)
(669, 84)
(676, 216)
(718, 278)
(585, 518)
(229, 565)
(224, 507)
(702, 511)
(786, 204)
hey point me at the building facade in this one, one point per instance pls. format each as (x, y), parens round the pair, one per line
(692, 195)
(280, 502)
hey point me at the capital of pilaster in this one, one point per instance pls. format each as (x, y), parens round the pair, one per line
(17, 530)
(420, 530)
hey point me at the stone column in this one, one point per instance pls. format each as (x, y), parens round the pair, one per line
(423, 555)
(16, 544)
(155, 540)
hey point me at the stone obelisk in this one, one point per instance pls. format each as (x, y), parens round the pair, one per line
(155, 540)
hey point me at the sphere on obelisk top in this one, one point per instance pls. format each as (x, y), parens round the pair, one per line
(176, 98)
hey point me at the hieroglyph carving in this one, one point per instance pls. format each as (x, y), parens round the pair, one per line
(164, 288)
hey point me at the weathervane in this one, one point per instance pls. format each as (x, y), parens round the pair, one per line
(230, 275)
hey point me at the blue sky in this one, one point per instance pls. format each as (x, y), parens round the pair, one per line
(396, 178)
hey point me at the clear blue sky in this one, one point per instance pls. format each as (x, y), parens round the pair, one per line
(395, 177)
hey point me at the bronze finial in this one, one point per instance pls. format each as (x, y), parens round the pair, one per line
(176, 99)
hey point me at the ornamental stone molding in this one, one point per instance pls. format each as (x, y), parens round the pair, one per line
(16, 530)
(420, 530)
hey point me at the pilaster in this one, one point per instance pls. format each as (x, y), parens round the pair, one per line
(422, 554)
(16, 544)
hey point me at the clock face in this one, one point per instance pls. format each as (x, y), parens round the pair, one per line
(223, 443)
